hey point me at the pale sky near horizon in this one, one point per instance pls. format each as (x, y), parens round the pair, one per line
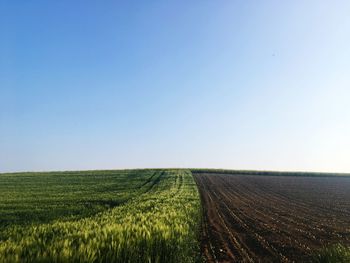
(143, 84)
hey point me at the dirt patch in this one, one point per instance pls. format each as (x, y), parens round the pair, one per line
(249, 218)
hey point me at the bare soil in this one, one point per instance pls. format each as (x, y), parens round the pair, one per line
(254, 218)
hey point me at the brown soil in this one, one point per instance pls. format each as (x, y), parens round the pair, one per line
(250, 218)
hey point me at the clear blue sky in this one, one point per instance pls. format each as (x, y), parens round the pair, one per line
(132, 84)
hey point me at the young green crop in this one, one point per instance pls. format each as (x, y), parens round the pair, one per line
(28, 198)
(158, 223)
(334, 254)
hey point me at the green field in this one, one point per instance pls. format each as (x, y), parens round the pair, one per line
(151, 215)
(99, 216)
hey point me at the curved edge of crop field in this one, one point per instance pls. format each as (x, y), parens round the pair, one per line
(161, 224)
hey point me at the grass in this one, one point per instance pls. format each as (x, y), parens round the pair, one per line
(334, 254)
(104, 216)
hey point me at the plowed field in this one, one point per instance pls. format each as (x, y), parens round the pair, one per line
(249, 218)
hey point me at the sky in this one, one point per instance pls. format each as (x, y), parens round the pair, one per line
(144, 84)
